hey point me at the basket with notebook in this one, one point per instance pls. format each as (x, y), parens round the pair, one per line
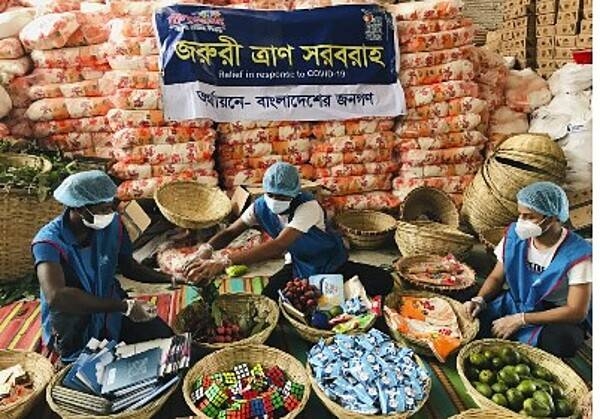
(127, 381)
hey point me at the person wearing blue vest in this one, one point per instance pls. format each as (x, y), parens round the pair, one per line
(76, 257)
(548, 272)
(297, 224)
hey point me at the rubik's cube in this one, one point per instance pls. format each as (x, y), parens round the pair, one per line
(197, 395)
(216, 395)
(257, 407)
(229, 378)
(268, 404)
(206, 381)
(295, 389)
(241, 371)
(250, 394)
(259, 382)
(198, 383)
(222, 415)
(217, 378)
(290, 403)
(208, 408)
(277, 376)
(245, 410)
(257, 371)
(276, 400)
(234, 414)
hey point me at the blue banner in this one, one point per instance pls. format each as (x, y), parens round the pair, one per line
(329, 63)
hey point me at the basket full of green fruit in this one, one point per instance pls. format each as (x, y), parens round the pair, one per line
(219, 321)
(519, 379)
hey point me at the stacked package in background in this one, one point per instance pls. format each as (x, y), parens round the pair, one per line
(14, 65)
(149, 150)
(68, 109)
(247, 149)
(353, 161)
(440, 140)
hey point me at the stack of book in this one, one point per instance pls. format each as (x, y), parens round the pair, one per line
(108, 377)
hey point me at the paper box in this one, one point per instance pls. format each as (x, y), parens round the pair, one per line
(135, 219)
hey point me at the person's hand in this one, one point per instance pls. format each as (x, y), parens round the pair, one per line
(505, 327)
(201, 271)
(205, 251)
(141, 312)
(474, 307)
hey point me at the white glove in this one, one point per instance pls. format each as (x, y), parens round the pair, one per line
(474, 306)
(138, 311)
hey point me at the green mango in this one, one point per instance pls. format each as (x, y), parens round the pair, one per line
(477, 359)
(472, 373)
(510, 356)
(499, 387)
(544, 398)
(484, 389)
(489, 355)
(544, 386)
(563, 408)
(487, 377)
(542, 373)
(500, 399)
(497, 363)
(536, 409)
(509, 376)
(527, 387)
(557, 391)
(515, 399)
(523, 370)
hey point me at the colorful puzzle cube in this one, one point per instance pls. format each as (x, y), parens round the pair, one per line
(208, 408)
(257, 407)
(241, 371)
(277, 376)
(229, 378)
(268, 404)
(216, 395)
(257, 370)
(217, 378)
(197, 395)
(249, 394)
(276, 400)
(297, 390)
(206, 381)
(259, 383)
(291, 403)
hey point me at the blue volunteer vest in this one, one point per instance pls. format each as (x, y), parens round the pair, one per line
(315, 252)
(105, 246)
(527, 289)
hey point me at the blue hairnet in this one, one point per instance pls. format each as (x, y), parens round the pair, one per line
(282, 179)
(545, 198)
(86, 188)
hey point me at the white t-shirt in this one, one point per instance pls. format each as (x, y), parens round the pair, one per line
(539, 260)
(306, 216)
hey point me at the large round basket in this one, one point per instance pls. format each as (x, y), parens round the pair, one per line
(145, 412)
(366, 229)
(22, 214)
(468, 327)
(404, 264)
(39, 369)
(491, 238)
(425, 203)
(192, 205)
(234, 305)
(313, 334)
(427, 238)
(341, 413)
(227, 359)
(573, 386)
(484, 414)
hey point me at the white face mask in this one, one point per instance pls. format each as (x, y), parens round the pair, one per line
(527, 229)
(101, 221)
(276, 206)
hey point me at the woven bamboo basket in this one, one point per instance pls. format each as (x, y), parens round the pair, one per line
(227, 359)
(192, 205)
(366, 229)
(552, 168)
(403, 264)
(339, 412)
(145, 412)
(468, 327)
(573, 386)
(22, 214)
(426, 238)
(484, 414)
(39, 369)
(425, 203)
(491, 238)
(233, 305)
(312, 334)
(534, 144)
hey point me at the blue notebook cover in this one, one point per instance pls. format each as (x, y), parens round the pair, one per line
(89, 372)
(127, 372)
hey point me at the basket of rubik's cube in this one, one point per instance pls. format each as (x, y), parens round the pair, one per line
(247, 382)
(323, 305)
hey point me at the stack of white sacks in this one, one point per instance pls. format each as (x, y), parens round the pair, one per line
(247, 149)
(68, 109)
(14, 65)
(149, 149)
(353, 160)
(440, 141)
(568, 119)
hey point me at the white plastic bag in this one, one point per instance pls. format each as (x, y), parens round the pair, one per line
(572, 78)
(526, 91)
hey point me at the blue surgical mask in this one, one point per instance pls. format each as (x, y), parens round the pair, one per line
(276, 206)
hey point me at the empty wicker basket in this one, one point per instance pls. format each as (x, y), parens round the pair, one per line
(426, 238)
(192, 205)
(39, 369)
(429, 204)
(366, 229)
